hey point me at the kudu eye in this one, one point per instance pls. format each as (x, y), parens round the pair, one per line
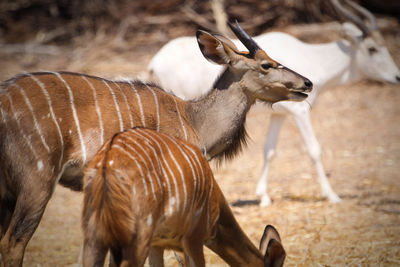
(266, 66)
(372, 50)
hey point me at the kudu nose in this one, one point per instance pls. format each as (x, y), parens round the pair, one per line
(398, 78)
(308, 84)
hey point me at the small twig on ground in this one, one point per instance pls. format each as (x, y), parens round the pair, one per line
(178, 259)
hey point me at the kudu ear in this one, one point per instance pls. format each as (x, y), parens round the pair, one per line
(216, 49)
(271, 247)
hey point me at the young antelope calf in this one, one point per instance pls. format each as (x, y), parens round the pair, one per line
(146, 191)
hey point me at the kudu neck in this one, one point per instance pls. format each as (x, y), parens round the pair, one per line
(231, 243)
(220, 115)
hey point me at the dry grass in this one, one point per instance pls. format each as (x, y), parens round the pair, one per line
(360, 135)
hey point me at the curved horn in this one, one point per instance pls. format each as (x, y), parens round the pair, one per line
(248, 42)
(351, 16)
(364, 12)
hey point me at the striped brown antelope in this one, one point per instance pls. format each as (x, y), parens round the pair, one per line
(145, 191)
(52, 123)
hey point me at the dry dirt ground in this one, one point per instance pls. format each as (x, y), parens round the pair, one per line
(358, 128)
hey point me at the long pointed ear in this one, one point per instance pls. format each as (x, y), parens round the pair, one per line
(270, 232)
(271, 247)
(275, 255)
(214, 49)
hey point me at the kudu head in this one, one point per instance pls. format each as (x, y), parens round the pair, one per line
(373, 60)
(261, 77)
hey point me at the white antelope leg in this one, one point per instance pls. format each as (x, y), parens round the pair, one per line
(269, 152)
(303, 122)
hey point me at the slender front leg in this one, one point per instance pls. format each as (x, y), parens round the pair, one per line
(29, 207)
(194, 255)
(269, 151)
(94, 252)
(303, 122)
(6, 210)
(156, 257)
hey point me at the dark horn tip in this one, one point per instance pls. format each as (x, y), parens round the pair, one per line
(232, 24)
(243, 36)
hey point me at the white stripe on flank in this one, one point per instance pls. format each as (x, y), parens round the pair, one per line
(143, 160)
(137, 164)
(180, 119)
(35, 122)
(189, 163)
(134, 190)
(147, 156)
(121, 123)
(3, 117)
(157, 107)
(200, 175)
(205, 197)
(60, 173)
(134, 131)
(195, 177)
(40, 165)
(98, 111)
(149, 220)
(27, 140)
(196, 157)
(209, 201)
(162, 168)
(139, 102)
(178, 166)
(78, 127)
(127, 105)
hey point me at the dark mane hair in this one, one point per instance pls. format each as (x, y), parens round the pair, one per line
(238, 141)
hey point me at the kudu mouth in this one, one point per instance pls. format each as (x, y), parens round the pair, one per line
(298, 93)
(281, 92)
(297, 96)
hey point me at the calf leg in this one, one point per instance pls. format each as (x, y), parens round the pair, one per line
(156, 257)
(136, 253)
(94, 252)
(194, 254)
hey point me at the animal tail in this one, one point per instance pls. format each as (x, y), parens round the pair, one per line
(108, 202)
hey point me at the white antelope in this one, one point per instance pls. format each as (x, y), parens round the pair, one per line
(146, 191)
(360, 55)
(51, 124)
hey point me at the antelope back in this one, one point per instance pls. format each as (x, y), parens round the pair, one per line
(141, 174)
(49, 119)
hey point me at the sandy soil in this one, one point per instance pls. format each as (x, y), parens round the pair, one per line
(358, 129)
